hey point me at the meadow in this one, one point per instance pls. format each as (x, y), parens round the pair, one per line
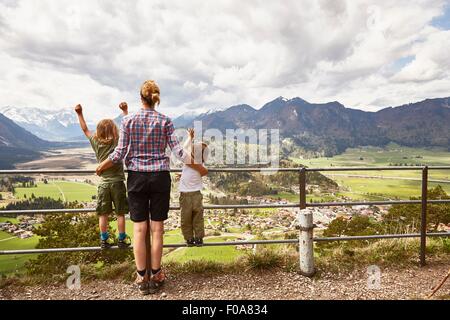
(12, 264)
(359, 185)
(57, 189)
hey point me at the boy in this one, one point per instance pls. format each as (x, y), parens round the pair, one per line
(191, 198)
(111, 189)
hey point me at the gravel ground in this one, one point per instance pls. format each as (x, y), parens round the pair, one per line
(412, 283)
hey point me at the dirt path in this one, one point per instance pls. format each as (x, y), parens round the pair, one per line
(413, 283)
(60, 191)
(7, 239)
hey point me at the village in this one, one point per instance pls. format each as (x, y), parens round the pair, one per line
(22, 230)
(276, 220)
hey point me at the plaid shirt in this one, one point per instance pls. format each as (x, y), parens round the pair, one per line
(143, 141)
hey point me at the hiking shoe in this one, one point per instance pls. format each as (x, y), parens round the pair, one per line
(124, 243)
(152, 287)
(106, 244)
(198, 242)
(142, 284)
(190, 243)
(158, 278)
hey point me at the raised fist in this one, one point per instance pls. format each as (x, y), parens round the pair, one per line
(123, 106)
(191, 133)
(79, 109)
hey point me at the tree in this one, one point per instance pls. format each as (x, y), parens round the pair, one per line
(407, 217)
(71, 230)
(358, 225)
(336, 228)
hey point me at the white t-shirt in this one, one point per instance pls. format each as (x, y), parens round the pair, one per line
(191, 180)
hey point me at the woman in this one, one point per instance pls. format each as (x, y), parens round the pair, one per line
(144, 138)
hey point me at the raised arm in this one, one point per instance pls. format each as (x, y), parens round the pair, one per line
(180, 153)
(187, 145)
(83, 125)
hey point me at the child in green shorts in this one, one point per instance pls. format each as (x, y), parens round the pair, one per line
(111, 189)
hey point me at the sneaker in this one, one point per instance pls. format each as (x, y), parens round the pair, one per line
(190, 243)
(124, 243)
(106, 244)
(142, 284)
(198, 242)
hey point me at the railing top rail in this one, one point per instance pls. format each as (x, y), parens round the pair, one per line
(249, 169)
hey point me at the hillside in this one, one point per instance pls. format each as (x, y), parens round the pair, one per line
(14, 136)
(332, 128)
(17, 144)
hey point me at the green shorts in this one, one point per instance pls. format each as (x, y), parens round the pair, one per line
(109, 194)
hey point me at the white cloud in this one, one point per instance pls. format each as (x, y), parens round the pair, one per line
(207, 54)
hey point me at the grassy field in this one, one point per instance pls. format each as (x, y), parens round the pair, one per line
(11, 264)
(391, 154)
(6, 219)
(217, 254)
(70, 191)
(384, 184)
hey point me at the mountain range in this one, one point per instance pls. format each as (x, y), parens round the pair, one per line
(61, 125)
(332, 128)
(329, 128)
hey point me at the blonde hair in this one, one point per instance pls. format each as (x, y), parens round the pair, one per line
(150, 93)
(195, 151)
(107, 132)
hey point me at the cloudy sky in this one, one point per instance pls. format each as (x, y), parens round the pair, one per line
(213, 54)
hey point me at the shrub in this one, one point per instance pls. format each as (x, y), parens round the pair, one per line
(263, 260)
(71, 230)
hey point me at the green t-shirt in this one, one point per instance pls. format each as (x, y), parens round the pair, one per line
(102, 151)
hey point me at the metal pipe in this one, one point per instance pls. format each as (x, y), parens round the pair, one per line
(176, 245)
(423, 220)
(380, 237)
(330, 169)
(268, 169)
(210, 207)
(233, 243)
(243, 206)
(302, 188)
(326, 169)
(362, 203)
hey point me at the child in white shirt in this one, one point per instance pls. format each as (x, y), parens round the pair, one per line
(191, 198)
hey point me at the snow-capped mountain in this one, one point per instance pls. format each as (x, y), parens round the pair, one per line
(184, 119)
(46, 124)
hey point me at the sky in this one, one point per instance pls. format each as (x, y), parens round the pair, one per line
(214, 54)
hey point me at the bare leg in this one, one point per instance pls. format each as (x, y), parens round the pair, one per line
(103, 223)
(157, 243)
(139, 248)
(121, 224)
(148, 247)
